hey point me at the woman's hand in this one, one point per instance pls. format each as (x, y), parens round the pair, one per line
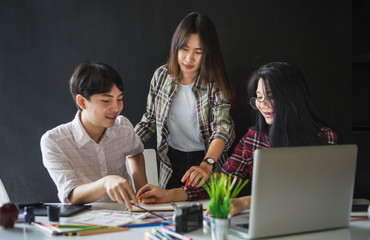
(153, 194)
(237, 206)
(198, 175)
(240, 204)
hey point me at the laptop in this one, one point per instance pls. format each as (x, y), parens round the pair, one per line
(4, 197)
(40, 208)
(297, 190)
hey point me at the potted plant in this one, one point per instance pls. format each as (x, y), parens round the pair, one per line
(221, 189)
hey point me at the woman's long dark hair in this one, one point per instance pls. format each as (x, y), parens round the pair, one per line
(213, 68)
(296, 122)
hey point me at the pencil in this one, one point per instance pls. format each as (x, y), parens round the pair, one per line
(95, 230)
(186, 183)
(47, 228)
(152, 224)
(139, 197)
(108, 230)
(50, 226)
(76, 226)
(151, 213)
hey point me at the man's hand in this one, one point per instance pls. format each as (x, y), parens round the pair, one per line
(119, 190)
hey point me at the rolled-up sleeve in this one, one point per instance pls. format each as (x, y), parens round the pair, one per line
(222, 125)
(146, 127)
(136, 144)
(59, 167)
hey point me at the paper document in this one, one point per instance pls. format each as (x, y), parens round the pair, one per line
(109, 218)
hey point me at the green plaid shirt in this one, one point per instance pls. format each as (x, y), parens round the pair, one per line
(213, 111)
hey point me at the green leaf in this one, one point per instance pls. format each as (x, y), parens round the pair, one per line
(221, 190)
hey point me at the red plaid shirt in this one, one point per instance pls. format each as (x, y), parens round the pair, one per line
(240, 163)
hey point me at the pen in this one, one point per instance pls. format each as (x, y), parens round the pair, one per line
(164, 234)
(186, 183)
(158, 234)
(132, 202)
(175, 234)
(149, 236)
(173, 204)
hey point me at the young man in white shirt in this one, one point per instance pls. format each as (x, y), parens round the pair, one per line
(86, 158)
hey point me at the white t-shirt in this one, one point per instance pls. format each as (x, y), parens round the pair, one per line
(182, 121)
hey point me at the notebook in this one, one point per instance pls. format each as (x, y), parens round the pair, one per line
(40, 208)
(299, 189)
(168, 206)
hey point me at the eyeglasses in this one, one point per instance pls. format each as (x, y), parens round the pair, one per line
(255, 103)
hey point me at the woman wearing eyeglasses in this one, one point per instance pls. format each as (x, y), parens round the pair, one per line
(284, 116)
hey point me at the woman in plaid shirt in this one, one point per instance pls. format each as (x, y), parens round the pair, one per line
(188, 106)
(284, 116)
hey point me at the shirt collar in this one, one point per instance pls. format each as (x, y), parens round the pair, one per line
(199, 84)
(79, 133)
(82, 138)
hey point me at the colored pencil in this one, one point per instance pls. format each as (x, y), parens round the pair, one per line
(151, 213)
(47, 228)
(99, 230)
(76, 226)
(152, 224)
(108, 230)
(186, 183)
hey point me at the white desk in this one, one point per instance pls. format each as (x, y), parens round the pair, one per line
(359, 230)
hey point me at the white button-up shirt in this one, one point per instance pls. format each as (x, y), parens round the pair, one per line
(72, 158)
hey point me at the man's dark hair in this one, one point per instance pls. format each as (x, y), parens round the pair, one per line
(92, 78)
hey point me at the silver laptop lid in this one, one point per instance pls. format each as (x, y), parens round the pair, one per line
(301, 189)
(4, 198)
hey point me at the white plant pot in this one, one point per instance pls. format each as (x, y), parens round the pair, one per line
(220, 228)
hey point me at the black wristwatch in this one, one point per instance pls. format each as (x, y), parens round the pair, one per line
(210, 161)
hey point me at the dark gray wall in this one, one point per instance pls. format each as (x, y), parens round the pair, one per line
(360, 96)
(41, 42)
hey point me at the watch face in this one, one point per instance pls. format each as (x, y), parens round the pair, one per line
(210, 161)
